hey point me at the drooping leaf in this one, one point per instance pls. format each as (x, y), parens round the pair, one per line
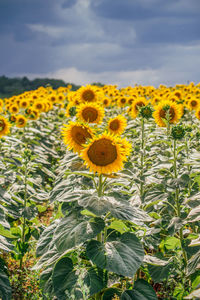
(122, 255)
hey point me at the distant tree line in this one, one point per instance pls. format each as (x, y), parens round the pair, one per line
(16, 86)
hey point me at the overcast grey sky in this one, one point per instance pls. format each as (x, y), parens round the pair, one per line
(110, 41)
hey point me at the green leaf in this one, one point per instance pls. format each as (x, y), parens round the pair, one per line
(72, 232)
(110, 293)
(5, 288)
(170, 243)
(63, 276)
(193, 263)
(142, 291)
(45, 239)
(95, 280)
(123, 255)
(159, 273)
(194, 295)
(119, 226)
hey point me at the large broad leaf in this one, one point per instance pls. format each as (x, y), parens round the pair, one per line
(193, 263)
(95, 280)
(123, 256)
(130, 213)
(45, 239)
(159, 273)
(72, 232)
(142, 291)
(110, 293)
(63, 276)
(5, 289)
(95, 204)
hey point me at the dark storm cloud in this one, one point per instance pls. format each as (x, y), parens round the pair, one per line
(99, 37)
(154, 20)
(143, 9)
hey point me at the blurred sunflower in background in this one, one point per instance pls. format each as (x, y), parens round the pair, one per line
(20, 121)
(4, 126)
(87, 93)
(136, 105)
(193, 103)
(167, 111)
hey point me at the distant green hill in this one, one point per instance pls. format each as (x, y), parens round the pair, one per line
(16, 86)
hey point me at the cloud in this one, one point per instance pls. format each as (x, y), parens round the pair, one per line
(102, 39)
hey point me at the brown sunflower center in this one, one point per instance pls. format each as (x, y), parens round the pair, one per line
(114, 125)
(39, 106)
(24, 104)
(163, 113)
(90, 114)
(21, 121)
(88, 95)
(139, 104)
(80, 134)
(2, 125)
(130, 101)
(105, 101)
(102, 152)
(193, 103)
(14, 109)
(123, 100)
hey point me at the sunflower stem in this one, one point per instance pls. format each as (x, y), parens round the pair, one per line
(178, 204)
(188, 166)
(24, 207)
(142, 161)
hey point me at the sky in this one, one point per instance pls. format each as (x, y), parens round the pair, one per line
(123, 42)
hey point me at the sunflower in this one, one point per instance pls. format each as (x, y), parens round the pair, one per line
(167, 108)
(4, 126)
(104, 154)
(14, 109)
(87, 94)
(21, 121)
(121, 101)
(197, 113)
(91, 113)
(193, 103)
(1, 103)
(117, 125)
(139, 102)
(13, 118)
(32, 114)
(24, 103)
(106, 102)
(39, 105)
(75, 135)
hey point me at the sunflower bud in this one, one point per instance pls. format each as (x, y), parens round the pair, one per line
(178, 132)
(146, 112)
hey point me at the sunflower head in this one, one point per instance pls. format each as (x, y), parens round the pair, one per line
(4, 126)
(21, 121)
(136, 106)
(75, 135)
(32, 114)
(104, 154)
(167, 112)
(14, 109)
(117, 125)
(90, 113)
(193, 103)
(87, 94)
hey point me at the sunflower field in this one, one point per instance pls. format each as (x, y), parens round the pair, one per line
(100, 193)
